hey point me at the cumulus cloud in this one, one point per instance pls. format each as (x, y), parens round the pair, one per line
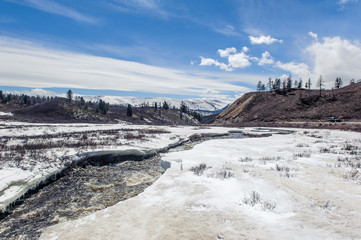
(297, 69)
(239, 60)
(245, 49)
(235, 59)
(263, 40)
(330, 57)
(335, 57)
(266, 59)
(226, 52)
(210, 62)
(313, 35)
(27, 64)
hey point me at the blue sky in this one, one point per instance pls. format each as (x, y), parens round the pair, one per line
(178, 48)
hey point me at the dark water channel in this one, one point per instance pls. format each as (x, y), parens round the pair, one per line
(81, 191)
(87, 187)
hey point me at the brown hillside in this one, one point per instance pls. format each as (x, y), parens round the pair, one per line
(296, 105)
(58, 110)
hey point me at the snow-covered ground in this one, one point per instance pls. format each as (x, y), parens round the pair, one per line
(31, 153)
(7, 114)
(304, 185)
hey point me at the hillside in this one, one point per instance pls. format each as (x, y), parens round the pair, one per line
(296, 105)
(59, 110)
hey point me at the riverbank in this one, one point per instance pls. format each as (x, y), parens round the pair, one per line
(301, 185)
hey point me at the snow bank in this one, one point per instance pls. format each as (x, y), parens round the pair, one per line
(278, 187)
(8, 114)
(15, 180)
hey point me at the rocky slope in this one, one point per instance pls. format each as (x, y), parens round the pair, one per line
(296, 105)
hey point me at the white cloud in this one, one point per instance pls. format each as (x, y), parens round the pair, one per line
(335, 57)
(226, 52)
(297, 69)
(55, 8)
(313, 35)
(235, 59)
(343, 2)
(266, 59)
(245, 49)
(140, 6)
(30, 65)
(228, 30)
(263, 40)
(239, 60)
(210, 62)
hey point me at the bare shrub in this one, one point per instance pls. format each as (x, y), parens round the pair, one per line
(245, 159)
(255, 198)
(326, 206)
(325, 150)
(199, 170)
(252, 199)
(304, 154)
(284, 169)
(353, 174)
(302, 145)
(225, 174)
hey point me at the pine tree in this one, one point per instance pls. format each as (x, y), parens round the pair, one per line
(129, 111)
(289, 83)
(277, 85)
(70, 95)
(320, 83)
(165, 105)
(270, 84)
(259, 86)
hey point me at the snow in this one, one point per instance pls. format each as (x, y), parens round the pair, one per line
(18, 178)
(204, 104)
(277, 187)
(8, 114)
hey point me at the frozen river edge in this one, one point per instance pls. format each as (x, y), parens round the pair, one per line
(305, 185)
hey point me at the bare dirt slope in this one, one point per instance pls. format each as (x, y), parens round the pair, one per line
(296, 105)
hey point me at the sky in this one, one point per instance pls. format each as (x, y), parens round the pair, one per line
(175, 48)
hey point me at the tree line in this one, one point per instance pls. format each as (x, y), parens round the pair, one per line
(286, 85)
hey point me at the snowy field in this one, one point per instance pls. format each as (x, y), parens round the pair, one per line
(31, 153)
(303, 185)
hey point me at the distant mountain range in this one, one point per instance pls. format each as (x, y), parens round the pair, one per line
(205, 106)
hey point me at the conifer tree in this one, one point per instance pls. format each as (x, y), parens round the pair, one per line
(70, 95)
(129, 111)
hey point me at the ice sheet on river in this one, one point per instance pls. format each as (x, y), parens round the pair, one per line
(15, 182)
(292, 186)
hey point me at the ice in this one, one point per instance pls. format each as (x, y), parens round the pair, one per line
(17, 180)
(240, 194)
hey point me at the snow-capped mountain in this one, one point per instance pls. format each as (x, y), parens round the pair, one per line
(195, 104)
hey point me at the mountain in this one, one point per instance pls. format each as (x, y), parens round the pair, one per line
(295, 105)
(205, 106)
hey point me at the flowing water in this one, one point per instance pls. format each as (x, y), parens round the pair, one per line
(86, 188)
